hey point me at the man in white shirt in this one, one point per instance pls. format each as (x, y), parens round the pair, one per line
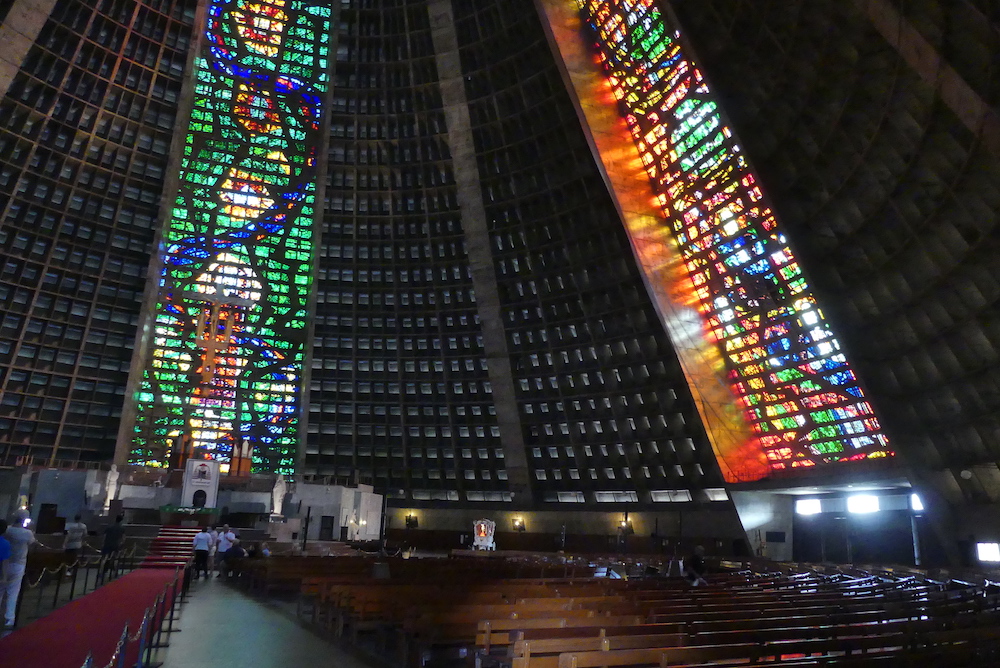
(20, 538)
(222, 545)
(76, 531)
(202, 544)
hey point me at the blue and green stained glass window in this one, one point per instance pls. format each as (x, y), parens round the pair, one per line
(224, 375)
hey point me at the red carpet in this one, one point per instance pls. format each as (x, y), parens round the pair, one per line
(172, 548)
(92, 623)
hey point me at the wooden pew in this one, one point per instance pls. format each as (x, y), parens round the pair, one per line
(708, 630)
(773, 644)
(731, 654)
(497, 632)
(478, 605)
(545, 653)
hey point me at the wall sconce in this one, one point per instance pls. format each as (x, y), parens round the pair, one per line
(412, 522)
(518, 523)
(625, 528)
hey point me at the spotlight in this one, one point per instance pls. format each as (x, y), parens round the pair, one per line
(862, 503)
(988, 552)
(808, 506)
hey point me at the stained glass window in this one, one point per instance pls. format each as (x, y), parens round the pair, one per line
(793, 381)
(224, 373)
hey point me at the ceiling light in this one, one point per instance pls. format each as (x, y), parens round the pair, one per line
(808, 506)
(862, 503)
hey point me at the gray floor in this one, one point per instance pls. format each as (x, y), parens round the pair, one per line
(223, 628)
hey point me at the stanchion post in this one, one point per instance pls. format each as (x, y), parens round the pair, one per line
(143, 632)
(41, 589)
(149, 649)
(72, 580)
(173, 600)
(122, 644)
(55, 596)
(86, 575)
(159, 630)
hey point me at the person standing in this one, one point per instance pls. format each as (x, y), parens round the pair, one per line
(75, 532)
(202, 545)
(4, 547)
(4, 557)
(694, 568)
(21, 538)
(113, 537)
(226, 540)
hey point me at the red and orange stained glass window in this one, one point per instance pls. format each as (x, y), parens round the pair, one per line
(795, 385)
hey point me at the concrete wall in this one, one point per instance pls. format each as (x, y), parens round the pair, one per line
(706, 523)
(761, 512)
(140, 496)
(66, 489)
(357, 509)
(10, 486)
(244, 502)
(18, 33)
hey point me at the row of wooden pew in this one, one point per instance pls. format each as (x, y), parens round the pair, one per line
(288, 573)
(454, 612)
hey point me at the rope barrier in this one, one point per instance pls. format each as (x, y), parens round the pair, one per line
(119, 648)
(145, 618)
(80, 561)
(42, 546)
(42, 575)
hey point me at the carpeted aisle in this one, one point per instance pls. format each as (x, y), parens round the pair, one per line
(92, 623)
